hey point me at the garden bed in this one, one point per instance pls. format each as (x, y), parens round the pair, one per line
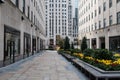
(91, 71)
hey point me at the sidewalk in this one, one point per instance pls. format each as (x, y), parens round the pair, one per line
(46, 66)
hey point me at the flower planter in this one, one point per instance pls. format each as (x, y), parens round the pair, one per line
(93, 73)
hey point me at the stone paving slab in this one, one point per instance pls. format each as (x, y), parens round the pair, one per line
(48, 66)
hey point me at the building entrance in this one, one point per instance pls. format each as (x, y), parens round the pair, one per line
(11, 45)
(94, 43)
(10, 52)
(102, 42)
(114, 43)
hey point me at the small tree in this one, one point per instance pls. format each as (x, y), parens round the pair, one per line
(84, 44)
(61, 43)
(72, 46)
(66, 43)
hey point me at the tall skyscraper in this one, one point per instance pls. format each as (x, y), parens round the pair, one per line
(58, 20)
(75, 28)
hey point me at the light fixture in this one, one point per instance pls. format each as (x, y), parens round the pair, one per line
(31, 25)
(22, 18)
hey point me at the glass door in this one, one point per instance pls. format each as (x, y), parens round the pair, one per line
(10, 51)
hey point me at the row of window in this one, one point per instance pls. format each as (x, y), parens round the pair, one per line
(94, 2)
(32, 17)
(51, 32)
(57, 0)
(56, 5)
(56, 10)
(82, 22)
(94, 27)
(85, 1)
(87, 8)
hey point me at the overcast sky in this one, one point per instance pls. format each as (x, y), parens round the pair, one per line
(74, 5)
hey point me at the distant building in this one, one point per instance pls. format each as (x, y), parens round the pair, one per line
(22, 29)
(58, 20)
(75, 28)
(99, 21)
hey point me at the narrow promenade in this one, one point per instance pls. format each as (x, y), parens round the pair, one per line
(48, 65)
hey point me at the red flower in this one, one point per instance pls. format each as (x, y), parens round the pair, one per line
(113, 65)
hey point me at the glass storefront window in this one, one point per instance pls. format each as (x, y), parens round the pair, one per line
(27, 44)
(114, 43)
(12, 43)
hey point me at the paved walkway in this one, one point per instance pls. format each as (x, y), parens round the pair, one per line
(46, 66)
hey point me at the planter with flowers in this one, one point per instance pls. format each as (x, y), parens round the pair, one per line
(99, 64)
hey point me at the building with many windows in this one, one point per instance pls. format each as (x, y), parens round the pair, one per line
(58, 20)
(22, 29)
(99, 21)
(75, 28)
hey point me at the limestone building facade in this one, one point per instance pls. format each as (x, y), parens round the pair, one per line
(58, 20)
(22, 29)
(99, 21)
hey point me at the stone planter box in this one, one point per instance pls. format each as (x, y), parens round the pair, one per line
(93, 73)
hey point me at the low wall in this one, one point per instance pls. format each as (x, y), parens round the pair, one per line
(93, 73)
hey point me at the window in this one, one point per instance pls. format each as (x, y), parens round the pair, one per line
(95, 1)
(95, 26)
(110, 20)
(46, 6)
(17, 3)
(28, 12)
(12, 42)
(91, 3)
(99, 24)
(118, 18)
(114, 43)
(99, 10)
(89, 17)
(104, 22)
(34, 2)
(32, 16)
(23, 6)
(95, 13)
(104, 6)
(110, 3)
(92, 15)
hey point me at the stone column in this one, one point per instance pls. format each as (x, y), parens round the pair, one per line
(98, 42)
(107, 41)
(22, 38)
(36, 43)
(31, 37)
(1, 36)
(90, 43)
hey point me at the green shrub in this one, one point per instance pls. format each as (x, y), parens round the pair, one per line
(103, 54)
(88, 52)
(68, 52)
(75, 51)
(66, 43)
(60, 51)
(84, 44)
